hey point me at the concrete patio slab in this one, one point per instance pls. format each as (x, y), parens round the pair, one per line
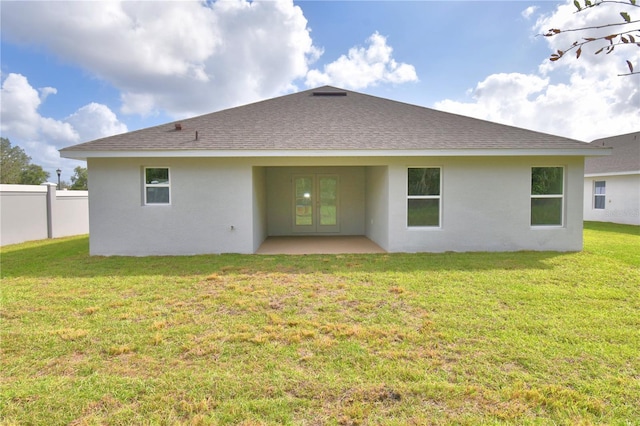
(319, 245)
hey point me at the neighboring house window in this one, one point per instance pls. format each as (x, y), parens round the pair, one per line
(547, 196)
(157, 185)
(423, 196)
(599, 194)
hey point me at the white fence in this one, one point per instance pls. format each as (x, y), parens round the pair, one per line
(36, 212)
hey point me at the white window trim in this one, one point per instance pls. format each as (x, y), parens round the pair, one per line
(422, 197)
(155, 185)
(560, 196)
(599, 195)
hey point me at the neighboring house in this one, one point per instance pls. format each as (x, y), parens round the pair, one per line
(612, 183)
(333, 162)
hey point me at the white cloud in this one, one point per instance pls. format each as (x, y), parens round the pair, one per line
(364, 67)
(40, 136)
(190, 57)
(46, 91)
(579, 98)
(20, 118)
(185, 57)
(95, 121)
(528, 12)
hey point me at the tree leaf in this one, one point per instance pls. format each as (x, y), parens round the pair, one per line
(624, 39)
(625, 16)
(599, 50)
(630, 65)
(632, 39)
(611, 37)
(576, 3)
(578, 53)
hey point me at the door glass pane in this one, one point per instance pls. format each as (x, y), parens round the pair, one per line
(328, 200)
(304, 201)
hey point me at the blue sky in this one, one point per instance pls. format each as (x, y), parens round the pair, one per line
(76, 71)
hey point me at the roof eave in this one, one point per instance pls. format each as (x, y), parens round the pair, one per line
(623, 173)
(246, 153)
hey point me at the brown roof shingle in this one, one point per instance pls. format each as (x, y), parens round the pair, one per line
(348, 121)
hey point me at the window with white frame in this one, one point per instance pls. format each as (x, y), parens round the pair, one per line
(157, 188)
(599, 191)
(423, 196)
(547, 196)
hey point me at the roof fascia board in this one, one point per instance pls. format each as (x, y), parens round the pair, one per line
(587, 152)
(601, 174)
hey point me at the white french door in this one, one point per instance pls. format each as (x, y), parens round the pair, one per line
(315, 203)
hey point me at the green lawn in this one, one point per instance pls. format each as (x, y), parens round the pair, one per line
(481, 338)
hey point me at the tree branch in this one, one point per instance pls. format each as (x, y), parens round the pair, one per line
(609, 38)
(555, 31)
(624, 38)
(598, 3)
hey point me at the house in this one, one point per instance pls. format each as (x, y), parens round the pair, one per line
(612, 184)
(329, 161)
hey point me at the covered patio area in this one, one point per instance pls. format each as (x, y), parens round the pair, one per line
(319, 245)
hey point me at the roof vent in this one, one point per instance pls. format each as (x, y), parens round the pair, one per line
(178, 126)
(329, 93)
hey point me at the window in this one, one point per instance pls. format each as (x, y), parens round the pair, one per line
(156, 185)
(423, 196)
(547, 196)
(599, 188)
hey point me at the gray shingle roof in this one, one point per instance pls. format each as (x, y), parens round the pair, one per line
(348, 121)
(625, 155)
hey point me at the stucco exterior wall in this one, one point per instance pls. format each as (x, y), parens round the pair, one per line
(259, 206)
(485, 206)
(622, 199)
(70, 213)
(23, 213)
(230, 206)
(210, 211)
(377, 201)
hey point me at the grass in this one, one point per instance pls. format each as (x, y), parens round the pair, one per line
(476, 338)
